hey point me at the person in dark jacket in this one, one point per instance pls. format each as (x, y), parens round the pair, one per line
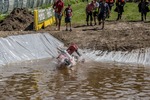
(119, 8)
(103, 12)
(89, 12)
(68, 15)
(143, 9)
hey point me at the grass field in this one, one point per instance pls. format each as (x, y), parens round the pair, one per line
(2, 17)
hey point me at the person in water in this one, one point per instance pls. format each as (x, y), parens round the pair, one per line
(73, 48)
(67, 55)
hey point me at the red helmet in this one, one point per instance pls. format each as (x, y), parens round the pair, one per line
(72, 48)
(74, 45)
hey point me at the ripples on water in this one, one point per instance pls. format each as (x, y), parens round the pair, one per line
(41, 80)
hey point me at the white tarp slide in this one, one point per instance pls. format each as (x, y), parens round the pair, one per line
(139, 56)
(28, 47)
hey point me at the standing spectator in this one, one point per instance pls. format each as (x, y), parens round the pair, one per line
(143, 9)
(110, 3)
(89, 9)
(103, 12)
(54, 7)
(58, 7)
(119, 8)
(68, 15)
(95, 11)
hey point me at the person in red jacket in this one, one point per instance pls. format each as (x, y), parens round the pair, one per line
(73, 48)
(58, 8)
(89, 12)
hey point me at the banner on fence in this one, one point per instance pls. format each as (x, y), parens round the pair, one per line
(8, 5)
(43, 18)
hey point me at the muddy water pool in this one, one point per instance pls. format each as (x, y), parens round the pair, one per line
(42, 80)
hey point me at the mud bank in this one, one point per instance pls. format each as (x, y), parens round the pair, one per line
(19, 19)
(117, 36)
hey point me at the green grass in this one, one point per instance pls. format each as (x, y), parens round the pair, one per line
(130, 13)
(2, 17)
(79, 16)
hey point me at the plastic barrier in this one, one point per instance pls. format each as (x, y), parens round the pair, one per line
(7, 6)
(43, 18)
(1, 6)
(20, 4)
(28, 47)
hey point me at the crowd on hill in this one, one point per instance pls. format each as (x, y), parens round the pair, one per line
(96, 11)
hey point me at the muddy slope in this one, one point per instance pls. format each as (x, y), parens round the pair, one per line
(117, 36)
(19, 19)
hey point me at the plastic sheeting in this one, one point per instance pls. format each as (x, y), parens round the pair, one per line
(9, 5)
(28, 47)
(5, 6)
(139, 56)
(43, 45)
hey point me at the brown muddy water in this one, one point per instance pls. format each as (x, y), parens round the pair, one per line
(42, 80)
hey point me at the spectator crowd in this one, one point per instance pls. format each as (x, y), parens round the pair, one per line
(96, 11)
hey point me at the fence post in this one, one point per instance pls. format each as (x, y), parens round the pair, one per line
(36, 20)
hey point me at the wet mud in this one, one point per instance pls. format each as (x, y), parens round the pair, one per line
(116, 36)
